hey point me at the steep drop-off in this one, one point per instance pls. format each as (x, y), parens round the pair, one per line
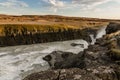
(16, 34)
(32, 29)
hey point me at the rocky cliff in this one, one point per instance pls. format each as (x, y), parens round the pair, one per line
(14, 34)
(32, 29)
(100, 61)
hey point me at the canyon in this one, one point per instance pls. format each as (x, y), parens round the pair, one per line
(53, 47)
(100, 61)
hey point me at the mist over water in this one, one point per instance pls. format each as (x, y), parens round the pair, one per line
(19, 61)
(99, 34)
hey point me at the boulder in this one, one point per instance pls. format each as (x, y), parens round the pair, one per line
(60, 60)
(76, 44)
(56, 57)
(112, 27)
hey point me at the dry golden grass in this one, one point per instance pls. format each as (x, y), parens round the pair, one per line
(51, 26)
(45, 23)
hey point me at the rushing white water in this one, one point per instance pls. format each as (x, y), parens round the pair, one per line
(99, 34)
(92, 38)
(18, 61)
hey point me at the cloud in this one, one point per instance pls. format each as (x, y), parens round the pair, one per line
(54, 4)
(82, 4)
(88, 4)
(13, 3)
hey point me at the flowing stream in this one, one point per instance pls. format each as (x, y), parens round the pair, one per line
(18, 61)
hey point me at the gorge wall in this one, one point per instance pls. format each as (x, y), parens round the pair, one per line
(32, 29)
(32, 34)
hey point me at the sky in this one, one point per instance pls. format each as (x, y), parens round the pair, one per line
(109, 9)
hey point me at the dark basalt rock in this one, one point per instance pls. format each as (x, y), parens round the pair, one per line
(25, 37)
(60, 60)
(56, 57)
(112, 27)
(76, 44)
(85, 65)
(99, 73)
(94, 55)
(87, 38)
(74, 61)
(47, 75)
(118, 41)
(113, 44)
(114, 54)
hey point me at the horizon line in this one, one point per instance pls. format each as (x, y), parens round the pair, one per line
(57, 15)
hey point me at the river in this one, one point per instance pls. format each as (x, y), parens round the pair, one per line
(18, 61)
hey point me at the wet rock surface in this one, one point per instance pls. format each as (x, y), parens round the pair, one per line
(100, 61)
(76, 44)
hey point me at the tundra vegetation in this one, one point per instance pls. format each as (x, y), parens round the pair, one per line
(29, 34)
(31, 29)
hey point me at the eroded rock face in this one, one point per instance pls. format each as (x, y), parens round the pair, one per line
(112, 41)
(21, 35)
(113, 44)
(99, 73)
(112, 27)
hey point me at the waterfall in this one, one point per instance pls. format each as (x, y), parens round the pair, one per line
(92, 38)
(100, 34)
